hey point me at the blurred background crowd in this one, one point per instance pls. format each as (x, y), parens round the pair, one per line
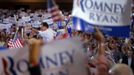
(26, 22)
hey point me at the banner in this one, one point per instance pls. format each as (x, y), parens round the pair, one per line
(63, 57)
(112, 16)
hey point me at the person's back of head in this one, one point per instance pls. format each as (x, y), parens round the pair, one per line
(45, 25)
(120, 69)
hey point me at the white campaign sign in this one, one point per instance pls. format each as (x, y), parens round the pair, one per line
(113, 15)
(63, 57)
(5, 26)
(48, 21)
(103, 12)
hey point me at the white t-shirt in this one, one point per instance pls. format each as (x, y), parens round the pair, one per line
(47, 35)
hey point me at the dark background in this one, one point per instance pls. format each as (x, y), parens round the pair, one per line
(34, 4)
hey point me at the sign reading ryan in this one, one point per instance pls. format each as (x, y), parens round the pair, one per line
(113, 16)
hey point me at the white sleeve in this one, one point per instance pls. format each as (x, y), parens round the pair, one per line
(40, 33)
(54, 33)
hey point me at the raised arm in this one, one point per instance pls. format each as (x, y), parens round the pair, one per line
(34, 55)
(101, 61)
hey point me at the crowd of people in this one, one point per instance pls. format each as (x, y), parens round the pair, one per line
(26, 20)
(117, 50)
(28, 24)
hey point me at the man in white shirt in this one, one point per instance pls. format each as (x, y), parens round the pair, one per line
(47, 33)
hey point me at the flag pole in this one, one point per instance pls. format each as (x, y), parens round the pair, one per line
(22, 32)
(17, 29)
(16, 33)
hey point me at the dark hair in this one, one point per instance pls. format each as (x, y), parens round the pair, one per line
(45, 24)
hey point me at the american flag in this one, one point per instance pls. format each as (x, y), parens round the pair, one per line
(54, 10)
(15, 43)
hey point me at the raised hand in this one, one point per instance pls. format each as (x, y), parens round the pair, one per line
(99, 36)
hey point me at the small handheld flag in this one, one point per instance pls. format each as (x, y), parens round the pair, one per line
(15, 42)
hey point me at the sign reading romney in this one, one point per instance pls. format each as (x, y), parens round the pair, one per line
(113, 17)
(61, 57)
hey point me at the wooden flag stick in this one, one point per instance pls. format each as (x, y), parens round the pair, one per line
(16, 33)
(22, 32)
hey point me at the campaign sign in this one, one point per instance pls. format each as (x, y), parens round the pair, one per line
(61, 57)
(112, 16)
